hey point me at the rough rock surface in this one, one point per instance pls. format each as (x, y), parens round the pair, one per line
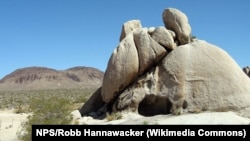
(149, 51)
(122, 68)
(128, 27)
(164, 37)
(212, 79)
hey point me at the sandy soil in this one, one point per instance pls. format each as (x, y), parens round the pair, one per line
(209, 118)
(9, 124)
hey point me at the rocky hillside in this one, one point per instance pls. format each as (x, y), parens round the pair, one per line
(35, 78)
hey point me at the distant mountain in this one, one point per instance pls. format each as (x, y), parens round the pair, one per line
(36, 78)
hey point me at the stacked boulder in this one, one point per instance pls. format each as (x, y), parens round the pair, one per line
(161, 70)
(142, 48)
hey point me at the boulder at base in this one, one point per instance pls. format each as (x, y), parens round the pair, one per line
(211, 79)
(196, 77)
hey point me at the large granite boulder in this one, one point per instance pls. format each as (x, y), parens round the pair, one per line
(149, 51)
(211, 78)
(164, 37)
(177, 21)
(122, 68)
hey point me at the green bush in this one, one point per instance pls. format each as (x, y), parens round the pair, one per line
(46, 111)
(19, 100)
(45, 106)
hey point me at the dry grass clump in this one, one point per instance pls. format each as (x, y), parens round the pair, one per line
(114, 116)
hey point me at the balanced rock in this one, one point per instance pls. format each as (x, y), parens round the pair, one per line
(177, 21)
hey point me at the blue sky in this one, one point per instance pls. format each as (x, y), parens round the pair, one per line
(61, 34)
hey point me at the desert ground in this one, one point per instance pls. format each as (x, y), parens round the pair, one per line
(10, 122)
(206, 118)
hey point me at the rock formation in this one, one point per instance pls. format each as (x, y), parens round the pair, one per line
(160, 70)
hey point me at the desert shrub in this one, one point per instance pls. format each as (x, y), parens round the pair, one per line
(46, 111)
(81, 99)
(21, 109)
(45, 106)
(114, 116)
(145, 122)
(22, 98)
